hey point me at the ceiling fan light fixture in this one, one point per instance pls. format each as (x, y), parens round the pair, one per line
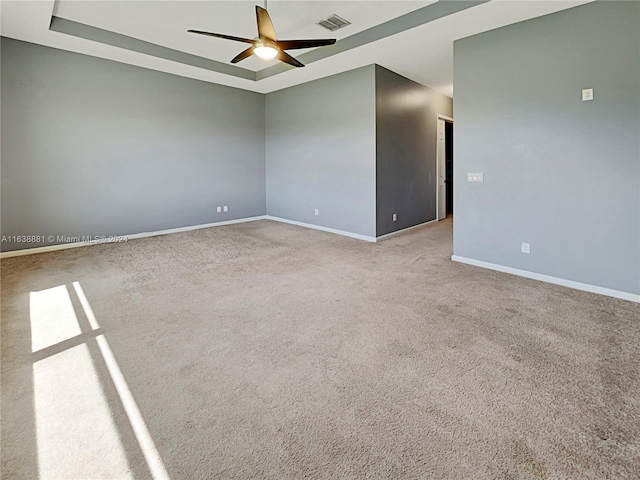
(265, 52)
(266, 45)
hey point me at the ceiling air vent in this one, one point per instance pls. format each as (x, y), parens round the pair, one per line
(333, 23)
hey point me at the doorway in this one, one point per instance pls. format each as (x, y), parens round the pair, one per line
(444, 191)
(448, 140)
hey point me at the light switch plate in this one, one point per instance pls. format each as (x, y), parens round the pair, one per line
(526, 248)
(475, 177)
(219, 209)
(587, 94)
(225, 208)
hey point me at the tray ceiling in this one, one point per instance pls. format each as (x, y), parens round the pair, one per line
(413, 38)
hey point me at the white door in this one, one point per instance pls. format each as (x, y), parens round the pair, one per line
(442, 191)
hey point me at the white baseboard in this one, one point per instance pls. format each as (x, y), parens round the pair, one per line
(324, 229)
(347, 234)
(549, 279)
(65, 246)
(397, 232)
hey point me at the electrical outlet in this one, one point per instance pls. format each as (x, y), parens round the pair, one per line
(219, 209)
(587, 94)
(475, 177)
(225, 208)
(395, 217)
(316, 212)
(526, 247)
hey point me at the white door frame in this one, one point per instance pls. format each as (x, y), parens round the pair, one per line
(439, 116)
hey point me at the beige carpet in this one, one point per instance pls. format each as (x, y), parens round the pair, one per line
(266, 350)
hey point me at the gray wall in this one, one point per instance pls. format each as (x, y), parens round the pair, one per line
(321, 152)
(94, 147)
(559, 173)
(406, 130)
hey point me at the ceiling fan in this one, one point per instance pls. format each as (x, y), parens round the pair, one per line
(266, 45)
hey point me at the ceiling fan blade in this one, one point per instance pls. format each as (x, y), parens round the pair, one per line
(242, 55)
(286, 58)
(293, 44)
(265, 26)
(220, 35)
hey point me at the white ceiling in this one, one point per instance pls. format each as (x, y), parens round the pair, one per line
(424, 53)
(171, 20)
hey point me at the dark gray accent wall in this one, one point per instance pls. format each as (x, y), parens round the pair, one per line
(321, 152)
(559, 173)
(94, 147)
(406, 130)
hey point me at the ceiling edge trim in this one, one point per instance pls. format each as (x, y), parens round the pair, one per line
(95, 34)
(400, 24)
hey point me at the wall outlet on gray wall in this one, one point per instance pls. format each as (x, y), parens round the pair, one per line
(587, 94)
(219, 209)
(526, 247)
(395, 217)
(225, 208)
(316, 212)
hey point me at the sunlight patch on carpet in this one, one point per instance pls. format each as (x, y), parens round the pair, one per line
(76, 435)
(53, 318)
